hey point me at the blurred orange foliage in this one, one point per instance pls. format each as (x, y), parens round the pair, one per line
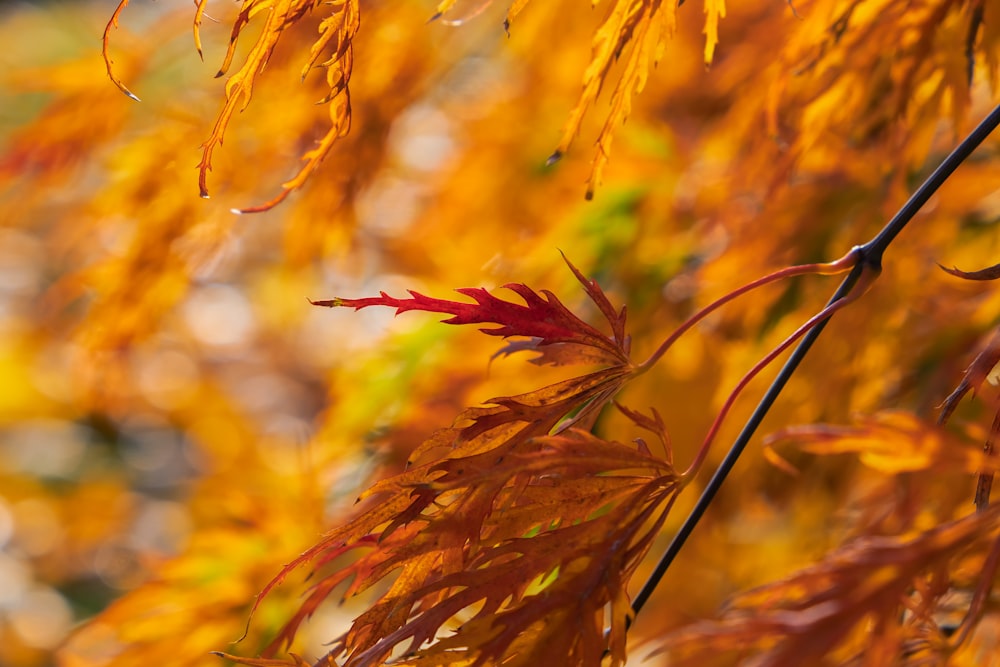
(178, 423)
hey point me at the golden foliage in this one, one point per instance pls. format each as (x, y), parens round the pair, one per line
(638, 27)
(332, 51)
(176, 421)
(892, 443)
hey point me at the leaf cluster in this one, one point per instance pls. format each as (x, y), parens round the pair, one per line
(522, 529)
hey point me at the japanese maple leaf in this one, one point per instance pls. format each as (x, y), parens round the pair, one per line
(552, 329)
(514, 491)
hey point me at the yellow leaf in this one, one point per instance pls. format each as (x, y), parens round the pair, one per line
(714, 10)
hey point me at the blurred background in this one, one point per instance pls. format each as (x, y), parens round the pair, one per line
(176, 421)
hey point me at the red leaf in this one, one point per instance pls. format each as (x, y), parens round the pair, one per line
(541, 317)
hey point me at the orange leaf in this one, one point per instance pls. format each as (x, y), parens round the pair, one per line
(892, 442)
(637, 25)
(295, 661)
(106, 49)
(524, 539)
(803, 618)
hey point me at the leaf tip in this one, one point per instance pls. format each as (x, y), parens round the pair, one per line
(235, 211)
(123, 88)
(989, 273)
(436, 16)
(555, 157)
(328, 303)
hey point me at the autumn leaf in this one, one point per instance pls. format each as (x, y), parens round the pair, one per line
(542, 318)
(332, 51)
(989, 273)
(813, 614)
(636, 27)
(639, 27)
(891, 442)
(508, 496)
(570, 504)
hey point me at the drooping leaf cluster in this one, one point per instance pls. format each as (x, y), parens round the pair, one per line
(522, 528)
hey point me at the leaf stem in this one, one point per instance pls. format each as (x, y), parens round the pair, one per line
(827, 269)
(866, 279)
(869, 256)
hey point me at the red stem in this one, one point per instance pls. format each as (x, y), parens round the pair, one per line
(841, 265)
(864, 282)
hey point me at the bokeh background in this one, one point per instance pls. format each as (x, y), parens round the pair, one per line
(177, 421)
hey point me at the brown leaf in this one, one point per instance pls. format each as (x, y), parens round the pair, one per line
(982, 369)
(508, 495)
(802, 619)
(507, 575)
(989, 273)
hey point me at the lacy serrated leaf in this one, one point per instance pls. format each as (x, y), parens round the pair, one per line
(541, 317)
(497, 503)
(802, 619)
(638, 26)
(593, 560)
(331, 51)
(488, 545)
(336, 34)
